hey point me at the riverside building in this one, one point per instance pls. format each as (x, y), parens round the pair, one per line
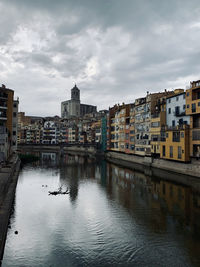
(175, 142)
(193, 110)
(6, 122)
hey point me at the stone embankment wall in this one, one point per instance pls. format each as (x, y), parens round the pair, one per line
(8, 181)
(191, 169)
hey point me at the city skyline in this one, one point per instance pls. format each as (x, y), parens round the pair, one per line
(114, 51)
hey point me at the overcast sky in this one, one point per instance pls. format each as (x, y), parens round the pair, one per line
(115, 50)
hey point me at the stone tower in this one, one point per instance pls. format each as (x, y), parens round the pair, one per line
(75, 93)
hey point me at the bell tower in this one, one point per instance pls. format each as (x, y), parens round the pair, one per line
(75, 93)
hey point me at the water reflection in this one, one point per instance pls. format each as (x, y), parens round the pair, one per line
(112, 216)
(180, 201)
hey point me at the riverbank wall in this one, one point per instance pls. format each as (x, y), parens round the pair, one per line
(8, 182)
(149, 163)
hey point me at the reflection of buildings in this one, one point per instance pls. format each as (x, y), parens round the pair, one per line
(48, 156)
(76, 168)
(49, 159)
(181, 201)
(136, 191)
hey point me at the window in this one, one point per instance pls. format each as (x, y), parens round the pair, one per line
(167, 135)
(182, 134)
(171, 152)
(171, 191)
(179, 194)
(14, 114)
(188, 94)
(169, 110)
(169, 101)
(198, 104)
(183, 106)
(176, 136)
(177, 110)
(155, 137)
(188, 106)
(163, 151)
(177, 98)
(184, 96)
(163, 189)
(173, 123)
(195, 135)
(155, 124)
(193, 107)
(179, 152)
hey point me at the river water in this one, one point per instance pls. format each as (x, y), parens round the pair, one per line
(112, 216)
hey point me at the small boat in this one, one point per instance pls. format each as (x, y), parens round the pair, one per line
(59, 192)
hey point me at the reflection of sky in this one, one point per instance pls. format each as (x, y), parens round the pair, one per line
(100, 227)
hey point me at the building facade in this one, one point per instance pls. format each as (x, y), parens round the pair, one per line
(15, 124)
(193, 110)
(6, 122)
(176, 142)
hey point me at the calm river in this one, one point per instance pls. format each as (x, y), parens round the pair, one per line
(112, 217)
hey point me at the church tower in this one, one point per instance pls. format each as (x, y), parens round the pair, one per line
(75, 93)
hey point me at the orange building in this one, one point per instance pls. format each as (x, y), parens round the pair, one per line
(193, 109)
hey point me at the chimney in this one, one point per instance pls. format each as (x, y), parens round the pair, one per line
(3, 86)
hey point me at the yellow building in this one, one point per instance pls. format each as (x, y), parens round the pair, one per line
(117, 127)
(122, 127)
(158, 120)
(175, 144)
(132, 130)
(193, 109)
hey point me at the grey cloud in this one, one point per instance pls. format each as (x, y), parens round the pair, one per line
(115, 50)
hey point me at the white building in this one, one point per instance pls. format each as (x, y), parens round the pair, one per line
(51, 133)
(175, 110)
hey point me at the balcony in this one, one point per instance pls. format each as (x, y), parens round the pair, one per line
(196, 135)
(155, 115)
(176, 137)
(175, 128)
(177, 113)
(3, 130)
(3, 95)
(3, 105)
(3, 138)
(3, 115)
